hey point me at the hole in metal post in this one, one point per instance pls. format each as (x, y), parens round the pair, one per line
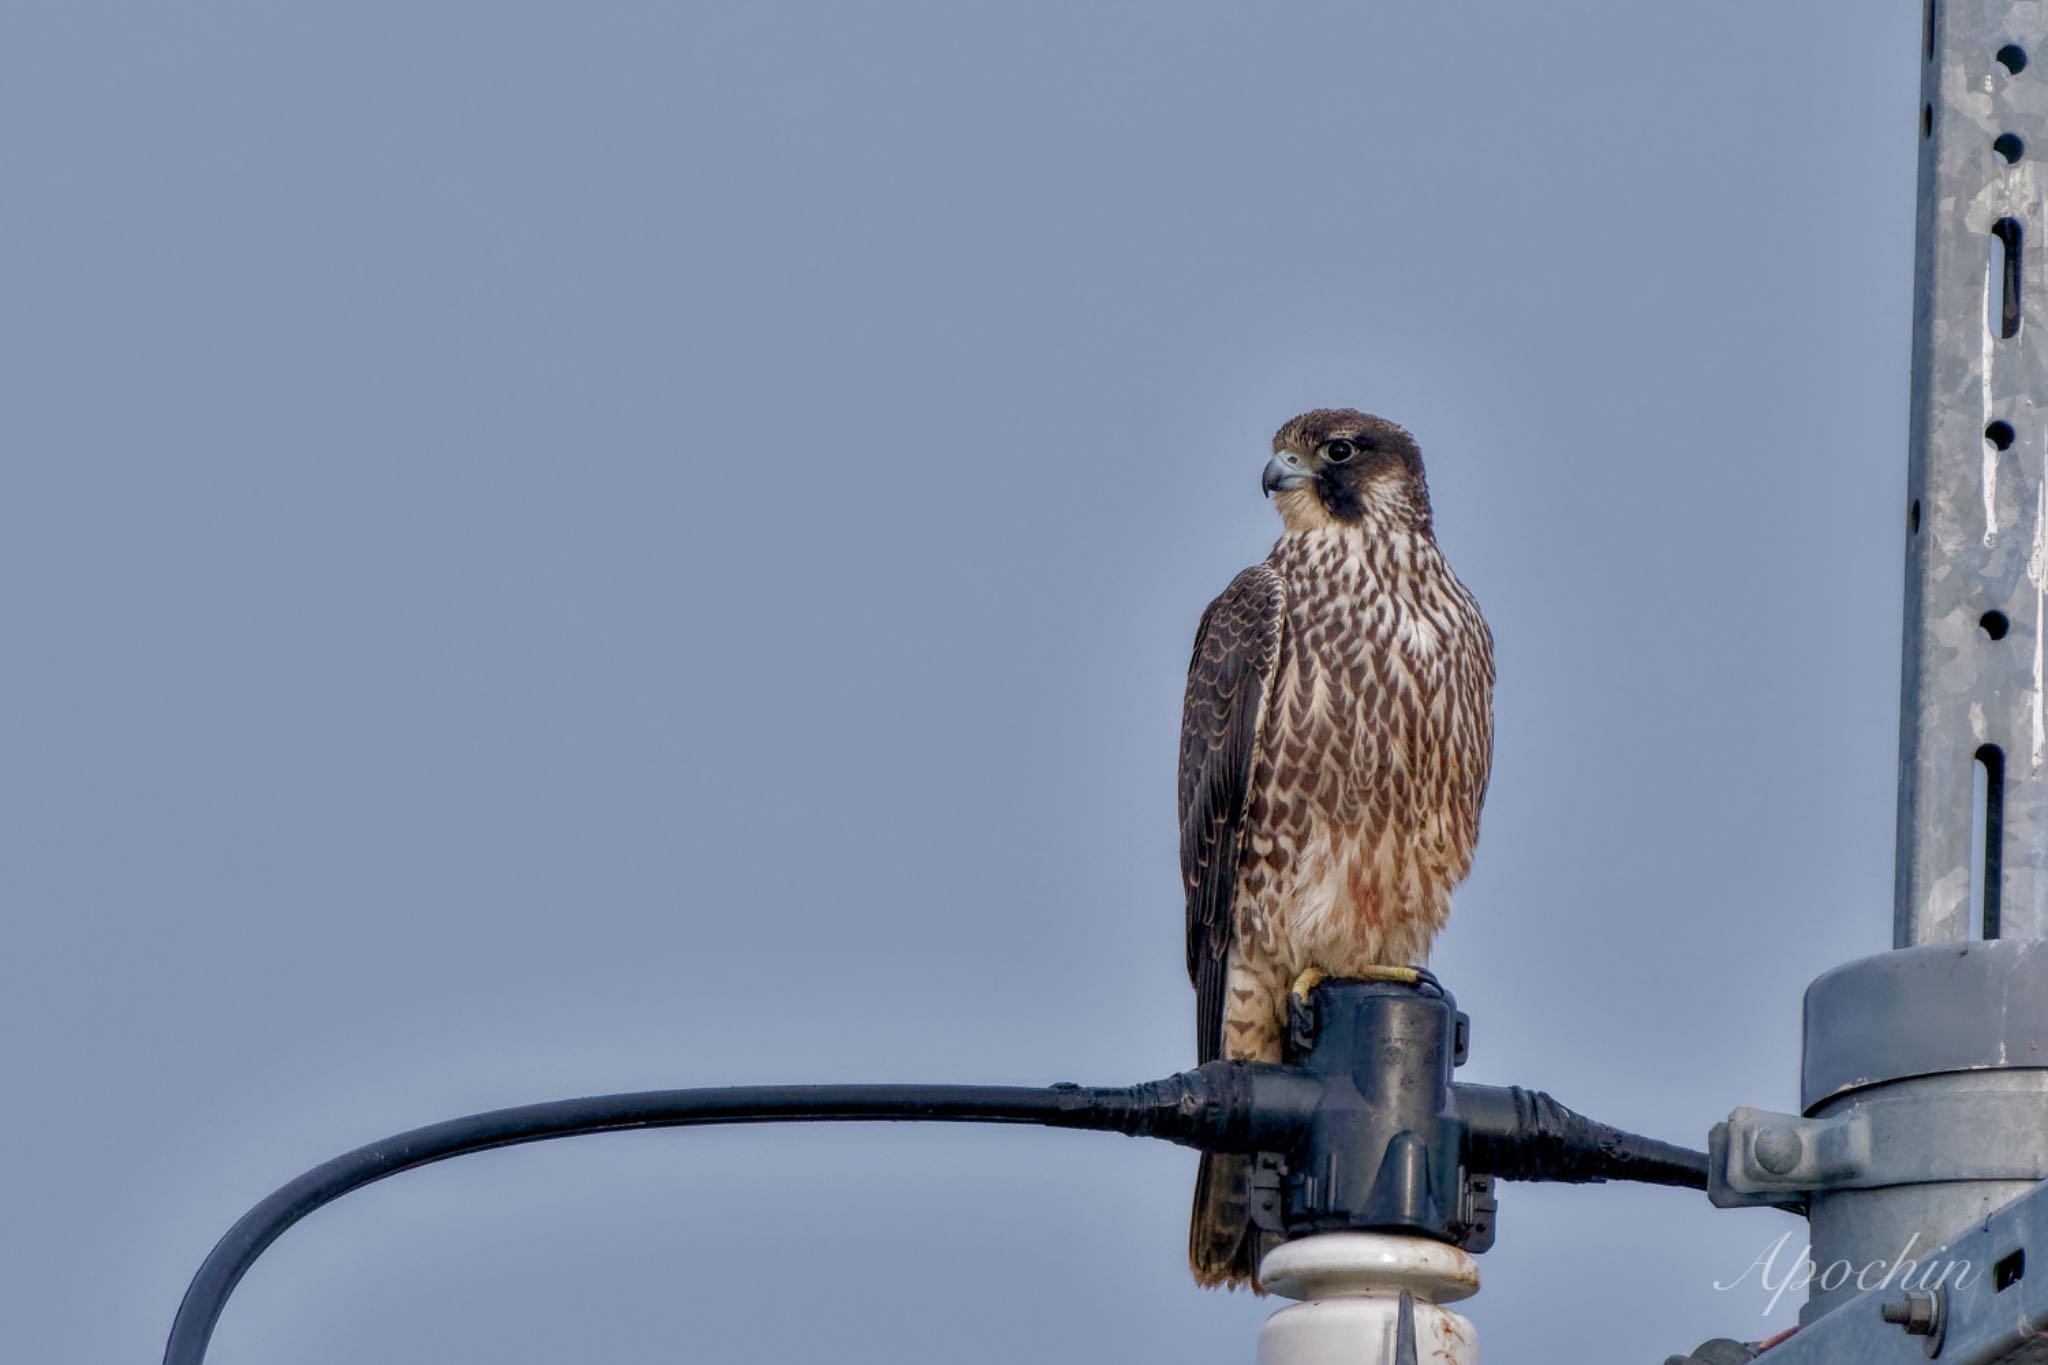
(1987, 819)
(1994, 624)
(2013, 58)
(2011, 146)
(2008, 1271)
(1913, 518)
(1927, 31)
(1926, 120)
(1999, 434)
(2004, 320)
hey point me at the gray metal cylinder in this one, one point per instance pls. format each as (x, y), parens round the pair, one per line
(1928, 1069)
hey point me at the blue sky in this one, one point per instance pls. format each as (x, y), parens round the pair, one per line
(547, 550)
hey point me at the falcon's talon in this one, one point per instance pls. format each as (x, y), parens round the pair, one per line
(1407, 976)
(1309, 979)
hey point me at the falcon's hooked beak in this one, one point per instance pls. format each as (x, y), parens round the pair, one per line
(1283, 471)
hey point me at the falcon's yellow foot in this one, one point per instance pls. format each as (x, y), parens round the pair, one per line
(1313, 977)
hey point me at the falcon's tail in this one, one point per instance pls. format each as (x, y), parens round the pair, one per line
(1223, 1246)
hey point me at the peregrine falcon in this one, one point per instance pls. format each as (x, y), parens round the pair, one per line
(1335, 746)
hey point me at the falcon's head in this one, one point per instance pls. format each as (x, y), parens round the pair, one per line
(1341, 465)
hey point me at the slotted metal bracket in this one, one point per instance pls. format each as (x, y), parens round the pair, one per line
(1976, 559)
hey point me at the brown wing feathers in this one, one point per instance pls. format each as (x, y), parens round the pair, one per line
(1237, 652)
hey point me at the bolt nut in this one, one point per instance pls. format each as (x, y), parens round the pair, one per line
(1921, 1314)
(1778, 1150)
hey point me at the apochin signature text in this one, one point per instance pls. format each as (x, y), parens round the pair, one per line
(1903, 1270)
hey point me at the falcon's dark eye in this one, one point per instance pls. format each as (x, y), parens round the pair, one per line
(1337, 452)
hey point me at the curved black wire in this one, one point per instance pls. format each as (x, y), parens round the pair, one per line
(1219, 1107)
(1177, 1108)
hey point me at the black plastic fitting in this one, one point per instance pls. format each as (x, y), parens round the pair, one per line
(1393, 1144)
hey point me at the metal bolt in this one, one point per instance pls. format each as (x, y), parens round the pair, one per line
(1778, 1151)
(1921, 1314)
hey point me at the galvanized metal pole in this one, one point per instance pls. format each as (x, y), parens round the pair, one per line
(1925, 1101)
(1976, 569)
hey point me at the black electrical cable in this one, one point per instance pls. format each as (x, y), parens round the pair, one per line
(1219, 1107)
(1509, 1132)
(1519, 1134)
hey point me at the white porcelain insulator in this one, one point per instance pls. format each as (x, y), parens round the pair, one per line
(1350, 1286)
